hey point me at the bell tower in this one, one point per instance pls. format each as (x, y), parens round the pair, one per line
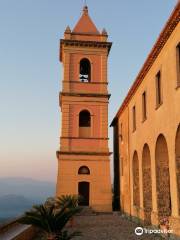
(84, 157)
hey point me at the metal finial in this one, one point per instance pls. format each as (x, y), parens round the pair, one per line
(85, 8)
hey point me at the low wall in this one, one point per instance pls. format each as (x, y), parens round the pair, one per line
(15, 231)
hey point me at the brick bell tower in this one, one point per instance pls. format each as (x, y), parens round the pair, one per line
(83, 158)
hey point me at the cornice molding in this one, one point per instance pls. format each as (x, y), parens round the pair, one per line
(83, 153)
(86, 34)
(159, 44)
(78, 43)
(87, 83)
(89, 138)
(85, 95)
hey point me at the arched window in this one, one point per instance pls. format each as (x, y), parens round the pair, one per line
(85, 70)
(84, 124)
(83, 170)
(84, 119)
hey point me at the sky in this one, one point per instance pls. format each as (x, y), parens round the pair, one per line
(31, 74)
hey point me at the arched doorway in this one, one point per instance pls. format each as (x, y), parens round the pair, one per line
(162, 177)
(177, 151)
(83, 191)
(136, 193)
(147, 184)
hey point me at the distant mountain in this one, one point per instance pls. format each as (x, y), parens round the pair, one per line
(19, 194)
(13, 205)
(28, 188)
(14, 202)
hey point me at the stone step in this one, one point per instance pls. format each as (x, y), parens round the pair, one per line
(87, 211)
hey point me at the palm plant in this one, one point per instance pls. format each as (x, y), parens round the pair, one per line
(51, 218)
(72, 201)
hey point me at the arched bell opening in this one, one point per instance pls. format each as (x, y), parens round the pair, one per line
(85, 70)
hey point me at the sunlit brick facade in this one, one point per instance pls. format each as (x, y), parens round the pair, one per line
(147, 135)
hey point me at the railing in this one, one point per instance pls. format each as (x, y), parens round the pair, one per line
(15, 231)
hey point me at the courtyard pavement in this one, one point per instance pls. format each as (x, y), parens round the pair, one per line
(107, 227)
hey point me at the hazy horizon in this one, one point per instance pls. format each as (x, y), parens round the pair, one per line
(25, 178)
(30, 76)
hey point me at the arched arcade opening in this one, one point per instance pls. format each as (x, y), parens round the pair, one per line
(136, 193)
(147, 184)
(162, 178)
